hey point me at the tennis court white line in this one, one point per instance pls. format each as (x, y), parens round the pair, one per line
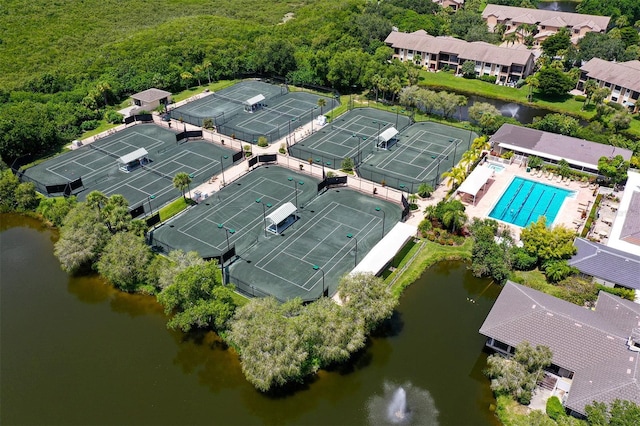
(234, 198)
(287, 251)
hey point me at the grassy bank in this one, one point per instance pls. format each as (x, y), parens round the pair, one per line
(422, 256)
(173, 208)
(446, 81)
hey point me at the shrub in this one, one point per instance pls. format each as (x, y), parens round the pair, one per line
(347, 164)
(521, 260)
(555, 410)
(520, 83)
(263, 142)
(207, 123)
(425, 190)
(89, 125)
(282, 149)
(616, 106)
(534, 162)
(580, 98)
(507, 155)
(488, 78)
(113, 117)
(425, 226)
(525, 397)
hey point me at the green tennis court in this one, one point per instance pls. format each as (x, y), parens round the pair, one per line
(352, 135)
(326, 234)
(420, 153)
(222, 105)
(98, 166)
(277, 118)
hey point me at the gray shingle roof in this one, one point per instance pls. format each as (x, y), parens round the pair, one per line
(631, 227)
(151, 95)
(575, 151)
(476, 51)
(592, 344)
(625, 74)
(607, 263)
(575, 20)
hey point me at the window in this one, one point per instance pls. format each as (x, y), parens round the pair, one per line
(542, 27)
(576, 31)
(614, 98)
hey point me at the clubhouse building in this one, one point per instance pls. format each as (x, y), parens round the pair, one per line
(438, 53)
(581, 154)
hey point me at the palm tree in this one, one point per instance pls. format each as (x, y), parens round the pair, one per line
(375, 83)
(481, 144)
(469, 157)
(181, 181)
(511, 38)
(207, 65)
(425, 190)
(454, 218)
(588, 88)
(96, 199)
(197, 70)
(456, 176)
(186, 77)
(103, 88)
(322, 102)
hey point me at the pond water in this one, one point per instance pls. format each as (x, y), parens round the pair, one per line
(75, 351)
(523, 113)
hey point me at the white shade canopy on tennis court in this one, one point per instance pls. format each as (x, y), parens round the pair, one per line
(279, 215)
(386, 136)
(138, 154)
(386, 249)
(254, 100)
(475, 181)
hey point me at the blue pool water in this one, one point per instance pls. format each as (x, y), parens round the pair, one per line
(525, 200)
(498, 168)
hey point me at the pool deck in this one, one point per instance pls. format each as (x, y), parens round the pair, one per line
(569, 215)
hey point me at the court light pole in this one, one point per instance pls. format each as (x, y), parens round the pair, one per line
(264, 213)
(359, 156)
(315, 107)
(224, 157)
(149, 198)
(378, 136)
(355, 239)
(317, 268)
(227, 232)
(295, 190)
(384, 215)
(289, 136)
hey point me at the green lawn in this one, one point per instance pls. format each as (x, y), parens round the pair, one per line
(213, 87)
(173, 208)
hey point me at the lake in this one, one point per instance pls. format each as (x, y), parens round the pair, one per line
(75, 351)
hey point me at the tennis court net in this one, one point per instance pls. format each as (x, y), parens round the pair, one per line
(430, 149)
(154, 171)
(92, 146)
(225, 98)
(369, 135)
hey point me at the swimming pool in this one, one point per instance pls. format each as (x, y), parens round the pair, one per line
(525, 200)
